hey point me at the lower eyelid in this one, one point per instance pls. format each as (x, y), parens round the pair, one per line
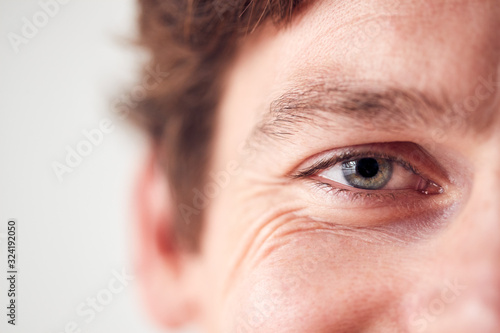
(382, 208)
(350, 197)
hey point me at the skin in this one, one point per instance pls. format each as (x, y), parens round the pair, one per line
(282, 254)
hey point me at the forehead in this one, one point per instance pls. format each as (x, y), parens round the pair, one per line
(422, 44)
(444, 48)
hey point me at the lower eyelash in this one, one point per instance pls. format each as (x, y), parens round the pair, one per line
(353, 195)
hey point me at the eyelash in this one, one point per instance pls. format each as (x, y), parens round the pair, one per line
(353, 193)
(345, 157)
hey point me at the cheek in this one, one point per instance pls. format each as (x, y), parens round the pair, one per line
(316, 283)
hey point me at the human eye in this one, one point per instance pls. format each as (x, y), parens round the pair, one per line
(382, 168)
(371, 172)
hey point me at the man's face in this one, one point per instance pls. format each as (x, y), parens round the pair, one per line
(355, 183)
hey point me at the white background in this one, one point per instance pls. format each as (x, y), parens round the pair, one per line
(72, 233)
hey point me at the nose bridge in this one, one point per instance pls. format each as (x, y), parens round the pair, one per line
(481, 215)
(470, 255)
(474, 238)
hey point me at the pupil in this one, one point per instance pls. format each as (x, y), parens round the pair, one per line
(367, 167)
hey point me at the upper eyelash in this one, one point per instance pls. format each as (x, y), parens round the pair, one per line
(344, 157)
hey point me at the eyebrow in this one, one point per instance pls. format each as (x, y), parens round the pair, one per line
(336, 105)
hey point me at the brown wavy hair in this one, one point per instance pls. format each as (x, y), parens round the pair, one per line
(193, 40)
